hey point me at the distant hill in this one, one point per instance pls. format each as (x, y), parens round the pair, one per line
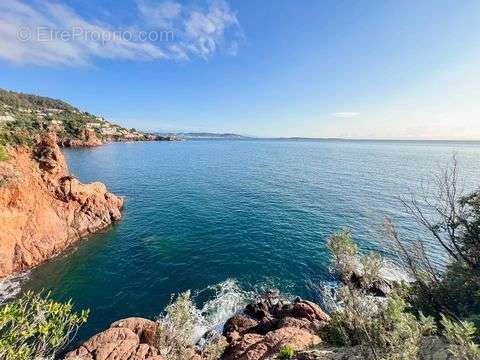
(24, 116)
(208, 135)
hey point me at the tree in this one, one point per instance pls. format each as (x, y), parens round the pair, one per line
(453, 221)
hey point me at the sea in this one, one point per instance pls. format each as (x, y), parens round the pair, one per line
(229, 219)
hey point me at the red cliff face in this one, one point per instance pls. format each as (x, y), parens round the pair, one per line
(43, 209)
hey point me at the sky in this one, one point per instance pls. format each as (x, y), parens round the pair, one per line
(353, 69)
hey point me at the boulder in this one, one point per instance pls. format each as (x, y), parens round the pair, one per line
(271, 323)
(127, 339)
(114, 344)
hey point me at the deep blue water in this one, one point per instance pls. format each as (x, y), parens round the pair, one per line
(200, 212)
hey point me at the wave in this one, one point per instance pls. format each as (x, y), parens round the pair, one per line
(226, 299)
(11, 286)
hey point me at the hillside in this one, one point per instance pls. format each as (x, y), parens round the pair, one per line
(24, 116)
(208, 135)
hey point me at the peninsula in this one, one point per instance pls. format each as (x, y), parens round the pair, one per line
(43, 209)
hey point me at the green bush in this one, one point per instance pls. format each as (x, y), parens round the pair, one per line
(287, 352)
(36, 327)
(462, 284)
(175, 328)
(344, 252)
(384, 328)
(460, 336)
(371, 264)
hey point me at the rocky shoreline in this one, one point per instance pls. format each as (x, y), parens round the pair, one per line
(89, 138)
(43, 209)
(260, 331)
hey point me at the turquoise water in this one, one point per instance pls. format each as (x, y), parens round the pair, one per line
(200, 212)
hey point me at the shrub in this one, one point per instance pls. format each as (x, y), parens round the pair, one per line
(36, 327)
(287, 352)
(3, 153)
(460, 336)
(384, 328)
(344, 252)
(459, 291)
(372, 264)
(175, 328)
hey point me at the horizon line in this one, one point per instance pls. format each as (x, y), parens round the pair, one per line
(332, 138)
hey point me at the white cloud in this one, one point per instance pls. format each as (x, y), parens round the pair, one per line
(26, 33)
(345, 114)
(199, 31)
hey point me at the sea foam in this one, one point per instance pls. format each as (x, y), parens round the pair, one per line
(10, 286)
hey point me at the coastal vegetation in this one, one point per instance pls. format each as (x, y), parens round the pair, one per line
(23, 117)
(437, 311)
(440, 301)
(37, 327)
(286, 353)
(382, 328)
(175, 330)
(3, 153)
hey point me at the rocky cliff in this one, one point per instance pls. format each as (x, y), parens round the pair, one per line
(43, 209)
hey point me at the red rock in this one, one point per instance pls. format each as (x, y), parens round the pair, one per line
(116, 343)
(239, 324)
(280, 323)
(87, 139)
(145, 329)
(308, 310)
(257, 347)
(43, 209)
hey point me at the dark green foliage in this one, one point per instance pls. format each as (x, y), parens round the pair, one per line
(456, 228)
(384, 330)
(460, 290)
(458, 293)
(468, 228)
(460, 336)
(20, 100)
(34, 114)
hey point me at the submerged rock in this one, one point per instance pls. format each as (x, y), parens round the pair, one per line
(380, 287)
(43, 209)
